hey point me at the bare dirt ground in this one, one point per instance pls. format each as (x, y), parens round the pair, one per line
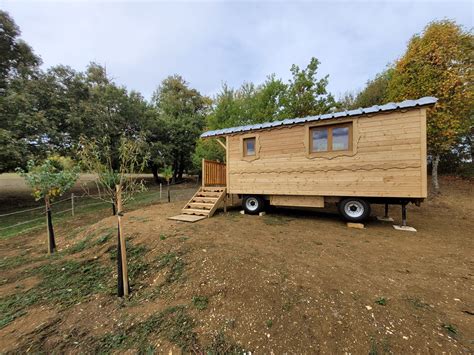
(290, 281)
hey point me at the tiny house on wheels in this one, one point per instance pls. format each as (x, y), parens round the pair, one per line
(356, 158)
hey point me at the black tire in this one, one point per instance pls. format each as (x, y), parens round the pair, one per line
(253, 204)
(354, 209)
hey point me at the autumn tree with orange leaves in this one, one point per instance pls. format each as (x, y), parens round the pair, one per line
(439, 62)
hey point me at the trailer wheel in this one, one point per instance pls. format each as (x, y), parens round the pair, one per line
(253, 204)
(354, 209)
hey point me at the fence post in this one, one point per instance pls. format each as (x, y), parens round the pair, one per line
(161, 188)
(72, 204)
(122, 245)
(203, 183)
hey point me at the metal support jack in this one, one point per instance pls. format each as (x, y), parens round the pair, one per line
(386, 217)
(403, 226)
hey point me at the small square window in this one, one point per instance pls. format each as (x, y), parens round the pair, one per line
(249, 147)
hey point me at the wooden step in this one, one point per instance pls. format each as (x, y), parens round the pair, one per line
(213, 189)
(206, 206)
(204, 199)
(208, 194)
(195, 211)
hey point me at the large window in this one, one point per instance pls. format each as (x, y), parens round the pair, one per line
(249, 147)
(331, 138)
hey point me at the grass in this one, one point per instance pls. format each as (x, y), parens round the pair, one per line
(222, 345)
(8, 263)
(137, 265)
(83, 206)
(450, 328)
(269, 323)
(417, 303)
(61, 283)
(381, 301)
(175, 264)
(173, 324)
(200, 302)
(275, 220)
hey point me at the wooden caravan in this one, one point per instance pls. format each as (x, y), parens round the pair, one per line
(353, 158)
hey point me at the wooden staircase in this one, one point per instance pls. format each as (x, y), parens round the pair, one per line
(205, 201)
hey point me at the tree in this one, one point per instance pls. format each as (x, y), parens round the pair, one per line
(375, 93)
(18, 68)
(116, 185)
(306, 95)
(49, 180)
(174, 130)
(16, 56)
(438, 62)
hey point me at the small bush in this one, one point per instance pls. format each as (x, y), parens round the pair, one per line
(200, 302)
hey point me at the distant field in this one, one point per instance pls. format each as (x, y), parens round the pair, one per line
(12, 184)
(20, 213)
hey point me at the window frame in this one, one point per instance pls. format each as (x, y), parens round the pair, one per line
(329, 128)
(245, 149)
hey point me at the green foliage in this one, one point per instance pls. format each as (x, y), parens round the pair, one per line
(305, 94)
(381, 301)
(375, 92)
(16, 56)
(50, 179)
(172, 131)
(207, 149)
(167, 173)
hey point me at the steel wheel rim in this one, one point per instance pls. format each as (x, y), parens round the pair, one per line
(252, 204)
(354, 209)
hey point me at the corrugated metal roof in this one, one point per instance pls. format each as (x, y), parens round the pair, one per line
(391, 106)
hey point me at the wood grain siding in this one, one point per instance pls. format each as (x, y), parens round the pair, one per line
(388, 159)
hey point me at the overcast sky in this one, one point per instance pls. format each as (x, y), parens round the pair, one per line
(210, 43)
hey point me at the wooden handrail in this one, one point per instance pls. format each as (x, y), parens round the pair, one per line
(213, 173)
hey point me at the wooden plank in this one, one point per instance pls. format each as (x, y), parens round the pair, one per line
(208, 194)
(207, 206)
(187, 218)
(297, 201)
(204, 199)
(195, 211)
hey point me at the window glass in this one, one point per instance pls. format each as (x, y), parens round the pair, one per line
(340, 138)
(249, 146)
(320, 140)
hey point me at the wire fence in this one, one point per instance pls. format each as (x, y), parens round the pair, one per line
(26, 220)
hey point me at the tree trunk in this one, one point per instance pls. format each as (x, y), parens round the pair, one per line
(181, 169)
(49, 225)
(434, 174)
(123, 288)
(169, 196)
(154, 171)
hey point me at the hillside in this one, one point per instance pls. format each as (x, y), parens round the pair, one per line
(286, 282)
